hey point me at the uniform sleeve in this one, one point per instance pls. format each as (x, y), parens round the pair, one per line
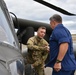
(31, 46)
(45, 53)
(61, 36)
(38, 62)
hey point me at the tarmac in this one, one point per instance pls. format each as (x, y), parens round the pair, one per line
(48, 71)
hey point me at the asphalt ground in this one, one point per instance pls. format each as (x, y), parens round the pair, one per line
(48, 71)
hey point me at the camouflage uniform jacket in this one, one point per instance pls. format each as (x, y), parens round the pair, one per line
(37, 53)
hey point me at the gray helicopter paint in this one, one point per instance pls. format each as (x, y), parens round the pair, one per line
(9, 19)
(8, 53)
(3, 70)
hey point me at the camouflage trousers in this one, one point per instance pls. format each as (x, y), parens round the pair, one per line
(33, 71)
(39, 70)
(38, 66)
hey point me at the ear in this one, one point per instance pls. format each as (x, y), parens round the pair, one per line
(54, 23)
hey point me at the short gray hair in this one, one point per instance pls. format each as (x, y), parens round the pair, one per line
(56, 17)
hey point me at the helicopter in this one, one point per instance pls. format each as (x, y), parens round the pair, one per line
(26, 28)
(11, 55)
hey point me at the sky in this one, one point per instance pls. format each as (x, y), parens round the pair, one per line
(31, 10)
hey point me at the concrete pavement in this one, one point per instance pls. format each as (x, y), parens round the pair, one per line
(48, 71)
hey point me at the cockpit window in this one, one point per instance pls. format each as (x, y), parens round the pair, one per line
(17, 68)
(6, 35)
(3, 36)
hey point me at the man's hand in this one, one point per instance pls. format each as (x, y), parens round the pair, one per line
(47, 48)
(57, 66)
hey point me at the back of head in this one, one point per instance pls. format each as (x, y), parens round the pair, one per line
(57, 18)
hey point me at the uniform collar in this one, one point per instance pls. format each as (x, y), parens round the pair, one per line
(38, 38)
(59, 25)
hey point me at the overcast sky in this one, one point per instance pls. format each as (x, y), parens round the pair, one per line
(31, 10)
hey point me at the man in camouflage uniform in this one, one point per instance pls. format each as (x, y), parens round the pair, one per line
(38, 49)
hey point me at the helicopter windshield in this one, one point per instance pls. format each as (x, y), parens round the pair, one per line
(6, 35)
(17, 68)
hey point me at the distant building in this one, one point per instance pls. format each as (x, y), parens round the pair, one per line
(74, 37)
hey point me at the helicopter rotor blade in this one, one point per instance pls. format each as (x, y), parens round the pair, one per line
(55, 7)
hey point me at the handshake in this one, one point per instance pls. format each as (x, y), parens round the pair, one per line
(47, 48)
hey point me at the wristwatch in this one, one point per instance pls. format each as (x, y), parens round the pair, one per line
(58, 61)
